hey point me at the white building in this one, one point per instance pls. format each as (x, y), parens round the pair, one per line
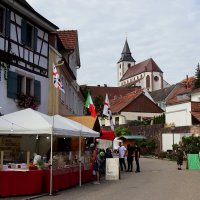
(24, 56)
(145, 74)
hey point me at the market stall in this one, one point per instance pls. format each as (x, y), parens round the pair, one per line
(29, 122)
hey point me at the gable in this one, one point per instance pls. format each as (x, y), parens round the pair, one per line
(142, 104)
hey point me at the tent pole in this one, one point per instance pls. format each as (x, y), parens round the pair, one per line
(80, 160)
(51, 167)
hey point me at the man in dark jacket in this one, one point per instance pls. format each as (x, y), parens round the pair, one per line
(137, 157)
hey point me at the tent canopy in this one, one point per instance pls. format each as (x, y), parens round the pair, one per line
(29, 121)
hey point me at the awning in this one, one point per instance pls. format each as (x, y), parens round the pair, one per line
(132, 137)
(107, 135)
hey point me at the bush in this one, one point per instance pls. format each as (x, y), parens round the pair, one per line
(162, 155)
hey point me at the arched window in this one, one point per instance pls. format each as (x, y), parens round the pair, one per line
(148, 81)
(129, 65)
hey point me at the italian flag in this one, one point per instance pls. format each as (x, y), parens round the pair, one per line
(89, 104)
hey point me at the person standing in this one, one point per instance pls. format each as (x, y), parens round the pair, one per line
(179, 156)
(130, 153)
(137, 157)
(122, 153)
(96, 163)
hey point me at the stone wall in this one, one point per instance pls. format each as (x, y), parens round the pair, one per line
(155, 131)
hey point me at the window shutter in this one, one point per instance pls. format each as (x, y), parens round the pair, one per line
(35, 38)
(37, 91)
(7, 25)
(12, 85)
(23, 31)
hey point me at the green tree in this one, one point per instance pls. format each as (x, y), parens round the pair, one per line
(120, 131)
(99, 103)
(191, 144)
(197, 75)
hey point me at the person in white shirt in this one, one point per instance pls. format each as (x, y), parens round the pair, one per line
(122, 153)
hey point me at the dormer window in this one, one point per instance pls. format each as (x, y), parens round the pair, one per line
(183, 96)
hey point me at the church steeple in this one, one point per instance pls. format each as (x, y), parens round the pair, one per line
(126, 54)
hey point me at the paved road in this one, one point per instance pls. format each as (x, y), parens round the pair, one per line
(158, 180)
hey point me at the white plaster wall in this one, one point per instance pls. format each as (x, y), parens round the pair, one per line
(179, 114)
(9, 105)
(122, 120)
(167, 139)
(134, 115)
(157, 84)
(195, 97)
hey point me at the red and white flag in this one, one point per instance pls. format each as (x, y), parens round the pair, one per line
(107, 112)
(56, 79)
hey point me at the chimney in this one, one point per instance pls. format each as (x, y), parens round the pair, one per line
(105, 85)
(98, 86)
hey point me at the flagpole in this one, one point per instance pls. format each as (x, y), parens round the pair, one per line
(53, 111)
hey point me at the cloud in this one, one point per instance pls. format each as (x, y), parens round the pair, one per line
(167, 31)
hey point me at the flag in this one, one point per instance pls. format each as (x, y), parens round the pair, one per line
(56, 79)
(89, 104)
(107, 112)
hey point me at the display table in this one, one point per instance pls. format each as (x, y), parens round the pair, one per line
(67, 177)
(14, 183)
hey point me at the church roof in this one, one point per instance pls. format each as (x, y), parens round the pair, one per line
(145, 66)
(126, 54)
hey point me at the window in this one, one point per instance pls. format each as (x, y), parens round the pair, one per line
(183, 96)
(28, 86)
(156, 78)
(28, 35)
(117, 120)
(129, 65)
(139, 118)
(148, 81)
(18, 84)
(62, 94)
(1, 20)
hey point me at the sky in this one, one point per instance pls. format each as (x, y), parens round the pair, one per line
(167, 31)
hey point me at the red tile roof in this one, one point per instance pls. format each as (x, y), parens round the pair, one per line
(185, 87)
(119, 103)
(145, 66)
(196, 115)
(195, 107)
(68, 38)
(113, 92)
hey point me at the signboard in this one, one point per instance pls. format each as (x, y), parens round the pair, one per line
(193, 161)
(112, 168)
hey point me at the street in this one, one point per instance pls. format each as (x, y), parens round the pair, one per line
(158, 180)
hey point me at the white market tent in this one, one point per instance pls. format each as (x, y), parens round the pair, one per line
(29, 121)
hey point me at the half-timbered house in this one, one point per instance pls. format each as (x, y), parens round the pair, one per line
(24, 57)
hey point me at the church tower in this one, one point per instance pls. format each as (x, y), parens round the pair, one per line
(125, 62)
